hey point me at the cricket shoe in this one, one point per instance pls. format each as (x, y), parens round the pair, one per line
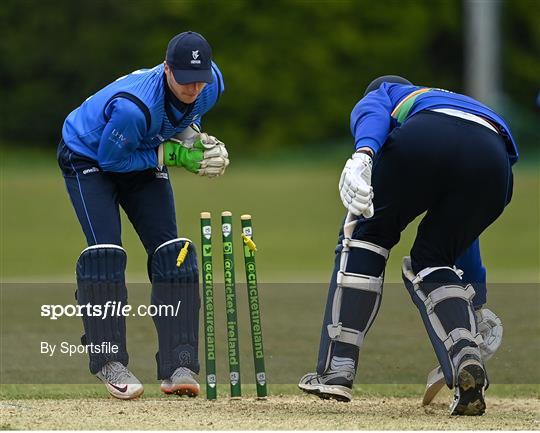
(120, 382)
(336, 385)
(491, 329)
(182, 382)
(469, 392)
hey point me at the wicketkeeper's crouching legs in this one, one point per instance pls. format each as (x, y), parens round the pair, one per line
(175, 282)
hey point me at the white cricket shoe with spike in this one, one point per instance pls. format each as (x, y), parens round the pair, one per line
(182, 382)
(120, 382)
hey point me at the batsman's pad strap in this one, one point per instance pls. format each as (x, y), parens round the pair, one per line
(337, 332)
(359, 282)
(449, 339)
(100, 280)
(425, 272)
(175, 282)
(355, 281)
(446, 292)
(444, 342)
(439, 295)
(354, 296)
(459, 334)
(354, 243)
(466, 351)
(433, 331)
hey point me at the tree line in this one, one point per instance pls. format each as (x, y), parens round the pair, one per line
(293, 69)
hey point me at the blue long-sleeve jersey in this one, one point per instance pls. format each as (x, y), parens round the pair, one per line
(382, 110)
(122, 124)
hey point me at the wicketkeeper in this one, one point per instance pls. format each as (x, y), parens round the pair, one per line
(115, 152)
(418, 149)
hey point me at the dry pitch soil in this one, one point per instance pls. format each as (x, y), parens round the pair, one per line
(278, 412)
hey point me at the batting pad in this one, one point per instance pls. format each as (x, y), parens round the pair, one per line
(353, 300)
(100, 280)
(175, 282)
(447, 313)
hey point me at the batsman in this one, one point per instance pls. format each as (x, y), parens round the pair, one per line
(418, 149)
(116, 149)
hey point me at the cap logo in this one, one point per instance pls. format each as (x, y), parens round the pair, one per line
(196, 60)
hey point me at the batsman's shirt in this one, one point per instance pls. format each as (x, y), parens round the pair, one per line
(382, 110)
(121, 125)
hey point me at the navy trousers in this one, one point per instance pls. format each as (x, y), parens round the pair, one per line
(146, 197)
(456, 170)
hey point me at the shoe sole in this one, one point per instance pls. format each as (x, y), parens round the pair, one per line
(471, 382)
(183, 389)
(328, 392)
(128, 397)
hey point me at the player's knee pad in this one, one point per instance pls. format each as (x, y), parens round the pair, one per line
(356, 298)
(175, 289)
(101, 282)
(447, 313)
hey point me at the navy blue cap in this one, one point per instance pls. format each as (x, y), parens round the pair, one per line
(190, 58)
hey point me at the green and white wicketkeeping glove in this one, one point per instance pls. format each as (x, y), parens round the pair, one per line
(206, 155)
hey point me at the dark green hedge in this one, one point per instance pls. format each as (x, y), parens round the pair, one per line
(293, 69)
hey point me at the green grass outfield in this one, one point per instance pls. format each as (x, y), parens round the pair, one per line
(296, 214)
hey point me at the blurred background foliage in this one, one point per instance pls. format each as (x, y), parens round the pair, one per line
(293, 69)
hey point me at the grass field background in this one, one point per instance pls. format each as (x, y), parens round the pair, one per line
(296, 213)
(295, 207)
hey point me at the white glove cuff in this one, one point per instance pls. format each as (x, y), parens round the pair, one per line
(160, 155)
(188, 136)
(363, 157)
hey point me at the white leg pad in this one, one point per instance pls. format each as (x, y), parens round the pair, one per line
(442, 294)
(349, 280)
